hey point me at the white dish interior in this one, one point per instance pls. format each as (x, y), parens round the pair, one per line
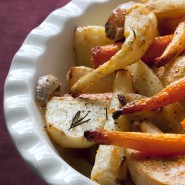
(48, 49)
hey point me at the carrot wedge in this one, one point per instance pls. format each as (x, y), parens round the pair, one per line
(176, 46)
(172, 93)
(154, 144)
(157, 48)
(101, 54)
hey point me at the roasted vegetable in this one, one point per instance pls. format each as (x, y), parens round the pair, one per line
(67, 118)
(140, 31)
(176, 46)
(87, 37)
(153, 144)
(109, 165)
(101, 54)
(47, 87)
(146, 169)
(114, 27)
(165, 9)
(172, 93)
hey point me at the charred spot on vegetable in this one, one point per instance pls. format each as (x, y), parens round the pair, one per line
(96, 136)
(121, 99)
(116, 114)
(89, 135)
(77, 120)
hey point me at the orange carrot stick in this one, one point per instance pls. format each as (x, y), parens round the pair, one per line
(154, 144)
(172, 93)
(101, 54)
(157, 48)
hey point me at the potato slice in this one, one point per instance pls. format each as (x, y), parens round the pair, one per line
(148, 170)
(61, 112)
(86, 38)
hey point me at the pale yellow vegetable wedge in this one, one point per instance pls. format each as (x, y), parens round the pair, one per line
(101, 86)
(144, 79)
(87, 37)
(165, 8)
(140, 31)
(147, 83)
(176, 46)
(173, 71)
(110, 167)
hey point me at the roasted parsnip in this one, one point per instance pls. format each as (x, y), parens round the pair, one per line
(176, 46)
(165, 9)
(101, 54)
(140, 31)
(109, 167)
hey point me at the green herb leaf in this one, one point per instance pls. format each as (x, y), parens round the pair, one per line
(77, 120)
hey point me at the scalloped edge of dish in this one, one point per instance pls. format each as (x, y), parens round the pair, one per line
(19, 103)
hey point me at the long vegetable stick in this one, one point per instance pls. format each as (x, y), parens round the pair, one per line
(176, 46)
(154, 144)
(148, 127)
(109, 159)
(101, 54)
(140, 31)
(172, 93)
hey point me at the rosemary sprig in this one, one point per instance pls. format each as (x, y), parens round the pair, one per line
(106, 113)
(77, 120)
(133, 32)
